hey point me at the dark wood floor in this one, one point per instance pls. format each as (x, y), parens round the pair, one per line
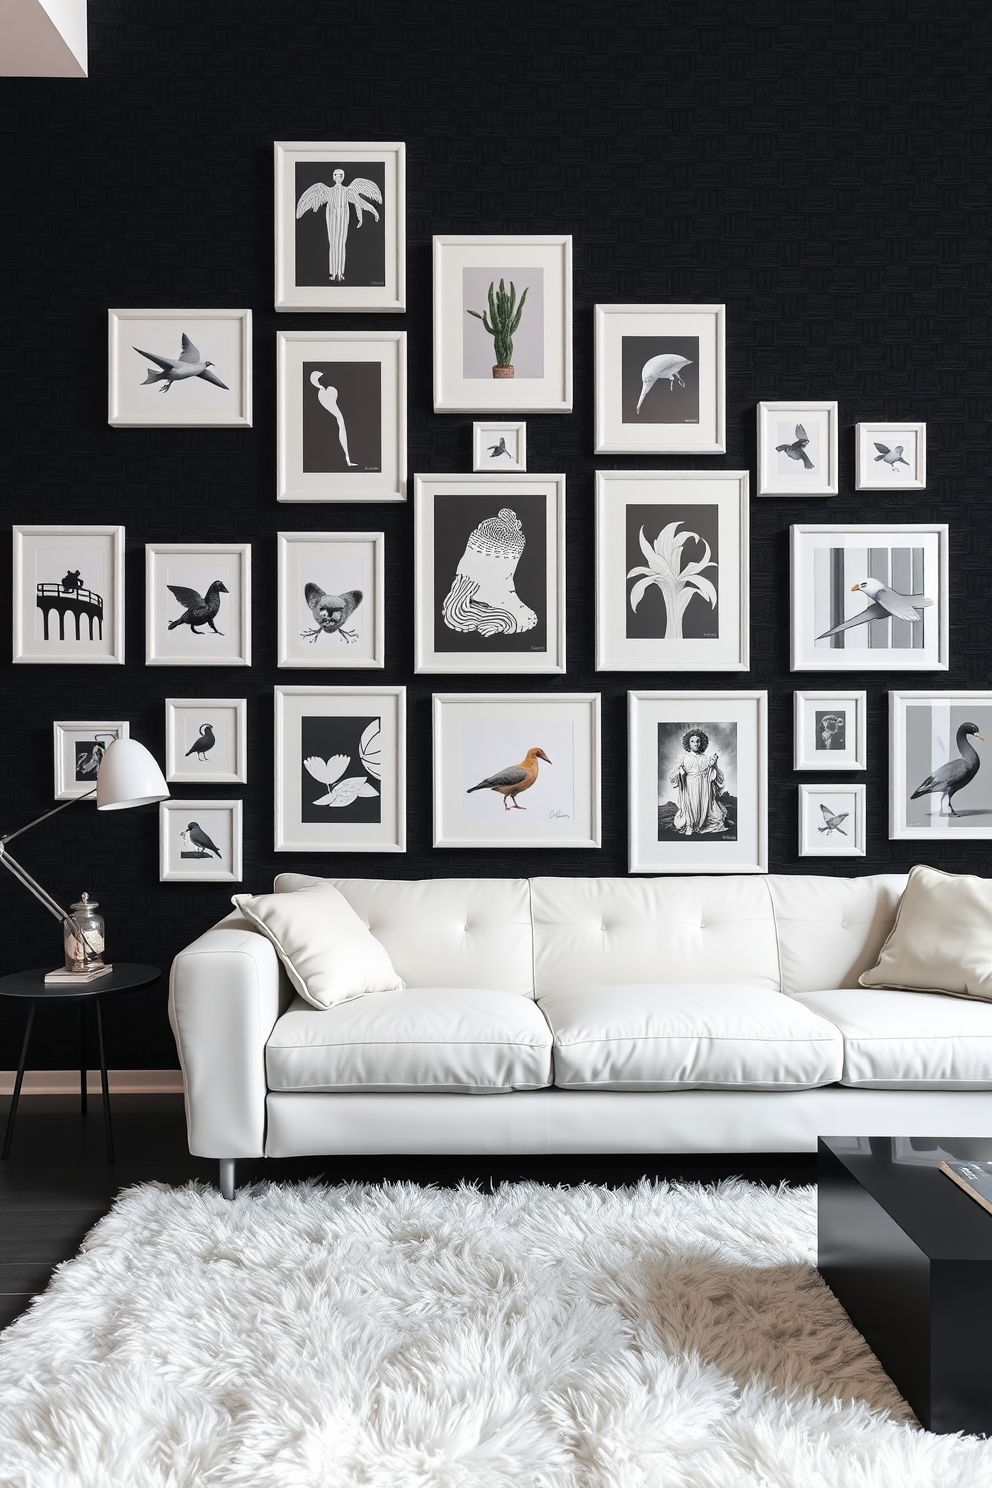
(57, 1183)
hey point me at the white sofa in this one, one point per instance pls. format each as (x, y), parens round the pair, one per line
(580, 1015)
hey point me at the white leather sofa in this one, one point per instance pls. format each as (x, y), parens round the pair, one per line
(580, 1015)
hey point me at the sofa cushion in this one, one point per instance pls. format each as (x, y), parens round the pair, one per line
(656, 1036)
(942, 938)
(467, 1039)
(830, 930)
(909, 1040)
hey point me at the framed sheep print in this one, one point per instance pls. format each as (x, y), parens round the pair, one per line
(503, 324)
(199, 841)
(832, 821)
(198, 604)
(340, 226)
(797, 449)
(517, 769)
(206, 741)
(79, 748)
(331, 599)
(698, 782)
(830, 731)
(499, 447)
(672, 570)
(489, 573)
(890, 457)
(341, 416)
(869, 598)
(68, 591)
(340, 769)
(179, 369)
(660, 379)
(940, 766)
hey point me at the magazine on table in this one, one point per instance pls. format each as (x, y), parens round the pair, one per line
(974, 1177)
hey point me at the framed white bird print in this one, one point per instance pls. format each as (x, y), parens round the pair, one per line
(179, 369)
(660, 379)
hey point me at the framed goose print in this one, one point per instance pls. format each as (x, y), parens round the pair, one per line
(660, 379)
(940, 766)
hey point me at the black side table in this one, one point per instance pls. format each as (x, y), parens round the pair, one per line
(127, 976)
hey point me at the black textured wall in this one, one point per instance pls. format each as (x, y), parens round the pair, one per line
(822, 168)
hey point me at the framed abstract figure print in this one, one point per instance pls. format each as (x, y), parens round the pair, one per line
(331, 603)
(832, 821)
(890, 457)
(940, 766)
(68, 590)
(830, 731)
(660, 379)
(797, 449)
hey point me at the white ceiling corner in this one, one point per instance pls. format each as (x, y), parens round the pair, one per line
(43, 38)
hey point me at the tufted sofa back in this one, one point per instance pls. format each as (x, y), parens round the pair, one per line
(830, 930)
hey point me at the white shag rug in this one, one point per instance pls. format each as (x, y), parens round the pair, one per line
(662, 1336)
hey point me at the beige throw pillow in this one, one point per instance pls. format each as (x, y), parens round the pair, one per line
(942, 938)
(329, 953)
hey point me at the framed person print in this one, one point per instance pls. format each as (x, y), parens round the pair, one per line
(330, 595)
(341, 416)
(503, 324)
(660, 379)
(68, 590)
(869, 598)
(340, 769)
(198, 604)
(830, 731)
(340, 226)
(199, 841)
(79, 749)
(698, 782)
(489, 573)
(797, 449)
(890, 457)
(179, 369)
(940, 766)
(499, 447)
(206, 741)
(672, 570)
(832, 821)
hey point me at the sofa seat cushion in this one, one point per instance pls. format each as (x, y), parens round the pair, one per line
(909, 1040)
(678, 1036)
(471, 1040)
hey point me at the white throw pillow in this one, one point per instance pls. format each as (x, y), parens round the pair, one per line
(329, 953)
(942, 938)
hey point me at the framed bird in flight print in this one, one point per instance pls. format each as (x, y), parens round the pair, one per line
(832, 821)
(179, 369)
(940, 766)
(200, 841)
(890, 457)
(330, 596)
(797, 449)
(198, 604)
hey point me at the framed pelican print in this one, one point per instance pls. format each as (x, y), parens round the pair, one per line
(660, 379)
(179, 369)
(340, 226)
(940, 766)
(797, 449)
(79, 749)
(870, 598)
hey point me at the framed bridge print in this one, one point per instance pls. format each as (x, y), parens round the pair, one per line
(830, 730)
(200, 841)
(331, 603)
(890, 457)
(940, 766)
(832, 821)
(660, 379)
(179, 369)
(340, 226)
(79, 750)
(68, 591)
(206, 741)
(797, 449)
(198, 604)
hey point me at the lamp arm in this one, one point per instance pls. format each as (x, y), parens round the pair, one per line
(14, 868)
(9, 836)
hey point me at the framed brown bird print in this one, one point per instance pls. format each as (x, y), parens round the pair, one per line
(797, 449)
(330, 599)
(198, 604)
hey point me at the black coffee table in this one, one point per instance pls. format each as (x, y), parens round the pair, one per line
(909, 1257)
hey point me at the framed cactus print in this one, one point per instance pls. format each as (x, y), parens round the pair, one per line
(660, 379)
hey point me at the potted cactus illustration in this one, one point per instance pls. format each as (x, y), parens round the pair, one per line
(501, 322)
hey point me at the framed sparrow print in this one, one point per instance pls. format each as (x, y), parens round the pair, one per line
(200, 841)
(331, 609)
(890, 457)
(660, 379)
(797, 449)
(498, 447)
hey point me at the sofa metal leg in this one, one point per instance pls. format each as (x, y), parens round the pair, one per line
(227, 1178)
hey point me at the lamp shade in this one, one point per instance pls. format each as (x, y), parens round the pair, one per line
(128, 776)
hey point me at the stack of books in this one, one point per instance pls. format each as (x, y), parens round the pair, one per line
(60, 978)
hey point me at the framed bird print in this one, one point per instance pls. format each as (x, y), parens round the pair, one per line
(68, 585)
(489, 573)
(340, 769)
(890, 457)
(199, 841)
(940, 766)
(870, 598)
(331, 599)
(341, 416)
(499, 447)
(797, 449)
(517, 769)
(830, 731)
(660, 379)
(79, 749)
(198, 604)
(179, 369)
(340, 226)
(206, 741)
(832, 821)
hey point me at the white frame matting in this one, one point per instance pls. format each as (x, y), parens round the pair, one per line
(200, 869)
(162, 608)
(806, 755)
(66, 735)
(134, 402)
(210, 771)
(616, 392)
(787, 478)
(817, 837)
(69, 606)
(357, 640)
(911, 763)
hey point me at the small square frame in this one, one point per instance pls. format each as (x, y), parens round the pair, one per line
(807, 741)
(67, 738)
(620, 385)
(873, 441)
(99, 616)
(972, 801)
(818, 837)
(181, 768)
(785, 478)
(320, 646)
(162, 609)
(487, 436)
(223, 340)
(209, 816)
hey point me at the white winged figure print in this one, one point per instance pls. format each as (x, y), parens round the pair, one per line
(328, 772)
(338, 201)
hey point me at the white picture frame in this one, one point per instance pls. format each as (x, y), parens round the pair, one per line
(341, 416)
(155, 388)
(480, 735)
(499, 448)
(731, 803)
(797, 449)
(206, 741)
(652, 396)
(476, 538)
(171, 639)
(830, 730)
(890, 456)
(321, 622)
(348, 733)
(371, 249)
(898, 561)
(701, 522)
(79, 746)
(68, 595)
(539, 266)
(928, 731)
(184, 857)
(832, 820)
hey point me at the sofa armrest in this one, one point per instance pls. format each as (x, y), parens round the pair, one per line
(225, 994)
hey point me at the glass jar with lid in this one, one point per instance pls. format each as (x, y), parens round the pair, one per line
(84, 937)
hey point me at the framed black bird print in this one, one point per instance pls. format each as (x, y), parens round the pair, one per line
(832, 821)
(200, 841)
(330, 599)
(940, 766)
(198, 604)
(179, 369)
(206, 741)
(797, 449)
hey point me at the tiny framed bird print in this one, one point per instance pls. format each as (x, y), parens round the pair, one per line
(940, 766)
(660, 379)
(330, 595)
(890, 457)
(198, 604)
(499, 447)
(179, 369)
(199, 841)
(830, 730)
(79, 750)
(797, 449)
(832, 821)
(206, 741)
